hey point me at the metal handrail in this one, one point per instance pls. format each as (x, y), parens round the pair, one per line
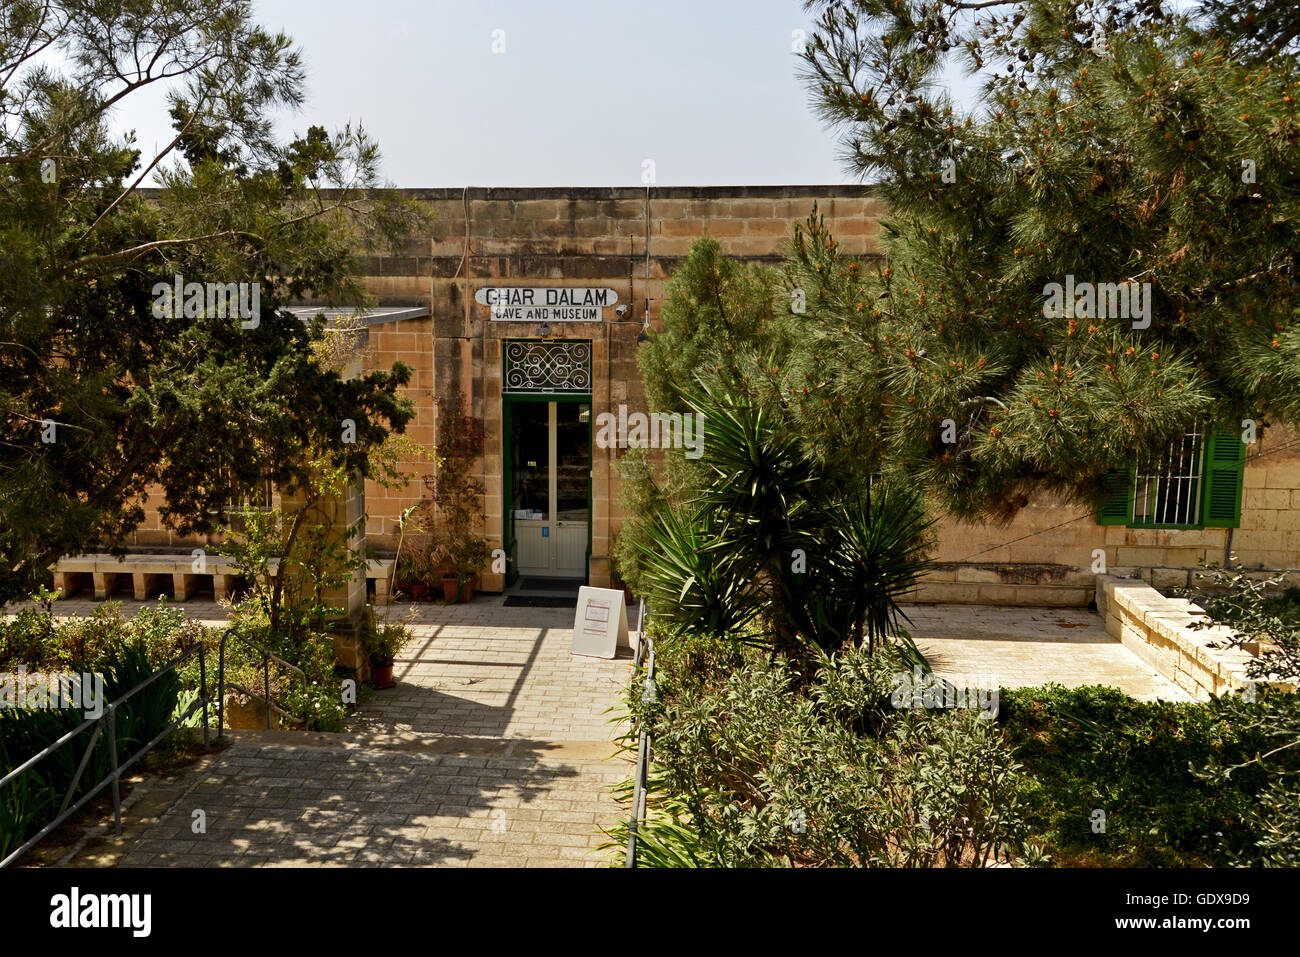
(267, 657)
(645, 651)
(109, 717)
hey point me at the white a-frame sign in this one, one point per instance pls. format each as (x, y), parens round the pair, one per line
(600, 625)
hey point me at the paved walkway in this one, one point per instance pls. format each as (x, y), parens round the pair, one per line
(494, 749)
(1023, 647)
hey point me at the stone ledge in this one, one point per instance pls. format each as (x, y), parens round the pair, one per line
(146, 570)
(1159, 631)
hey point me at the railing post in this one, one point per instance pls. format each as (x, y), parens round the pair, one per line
(112, 756)
(221, 686)
(639, 780)
(266, 687)
(85, 759)
(203, 689)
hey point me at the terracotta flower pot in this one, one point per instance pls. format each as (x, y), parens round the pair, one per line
(450, 588)
(383, 676)
(420, 591)
(466, 591)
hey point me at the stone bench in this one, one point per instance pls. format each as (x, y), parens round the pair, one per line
(145, 571)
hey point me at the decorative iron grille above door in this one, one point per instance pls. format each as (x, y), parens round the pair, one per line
(547, 366)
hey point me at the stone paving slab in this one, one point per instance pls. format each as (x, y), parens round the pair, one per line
(1025, 647)
(345, 803)
(485, 669)
(494, 749)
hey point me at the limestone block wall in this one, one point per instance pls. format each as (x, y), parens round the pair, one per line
(626, 239)
(631, 239)
(1046, 555)
(1158, 630)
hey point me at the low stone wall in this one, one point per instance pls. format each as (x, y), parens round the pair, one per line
(1157, 629)
(1012, 584)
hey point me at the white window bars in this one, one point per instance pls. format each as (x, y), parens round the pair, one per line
(1168, 490)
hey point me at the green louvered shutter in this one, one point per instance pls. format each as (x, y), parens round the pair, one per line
(1225, 463)
(1117, 507)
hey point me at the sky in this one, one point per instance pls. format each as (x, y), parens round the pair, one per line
(582, 94)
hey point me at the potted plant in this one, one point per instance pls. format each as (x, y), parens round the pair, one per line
(422, 569)
(383, 640)
(471, 555)
(409, 575)
(450, 588)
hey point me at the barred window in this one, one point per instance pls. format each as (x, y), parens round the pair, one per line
(1195, 483)
(1168, 490)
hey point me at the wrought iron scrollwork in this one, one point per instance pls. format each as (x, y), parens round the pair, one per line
(547, 366)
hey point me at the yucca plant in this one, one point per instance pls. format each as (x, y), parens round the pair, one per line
(873, 547)
(692, 586)
(758, 477)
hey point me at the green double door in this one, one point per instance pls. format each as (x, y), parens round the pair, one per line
(548, 486)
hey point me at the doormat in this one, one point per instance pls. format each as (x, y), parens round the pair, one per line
(551, 584)
(541, 601)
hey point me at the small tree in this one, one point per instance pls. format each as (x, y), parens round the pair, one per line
(103, 393)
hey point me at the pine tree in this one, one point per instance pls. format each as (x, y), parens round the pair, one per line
(1122, 145)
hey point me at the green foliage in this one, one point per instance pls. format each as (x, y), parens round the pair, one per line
(717, 317)
(1259, 608)
(148, 711)
(694, 587)
(1142, 764)
(382, 639)
(755, 527)
(1263, 609)
(194, 404)
(38, 640)
(34, 798)
(753, 771)
(1169, 160)
(30, 801)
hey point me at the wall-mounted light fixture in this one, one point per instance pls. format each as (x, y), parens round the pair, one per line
(645, 328)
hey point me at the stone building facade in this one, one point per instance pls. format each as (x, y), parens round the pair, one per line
(539, 380)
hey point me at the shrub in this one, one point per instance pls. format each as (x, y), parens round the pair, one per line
(34, 798)
(753, 768)
(1142, 764)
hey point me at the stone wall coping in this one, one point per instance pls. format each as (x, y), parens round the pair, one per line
(1182, 653)
(163, 563)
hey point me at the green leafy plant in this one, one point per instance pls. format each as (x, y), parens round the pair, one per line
(1263, 610)
(754, 767)
(383, 639)
(1142, 764)
(696, 589)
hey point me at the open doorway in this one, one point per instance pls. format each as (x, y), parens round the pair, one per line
(548, 491)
